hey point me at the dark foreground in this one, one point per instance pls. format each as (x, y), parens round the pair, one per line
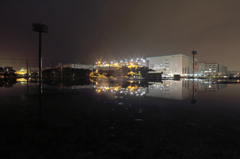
(80, 125)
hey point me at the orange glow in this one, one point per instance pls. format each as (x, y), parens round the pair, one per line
(21, 79)
(21, 72)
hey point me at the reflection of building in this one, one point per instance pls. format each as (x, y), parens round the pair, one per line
(208, 85)
(211, 69)
(119, 90)
(171, 89)
(172, 64)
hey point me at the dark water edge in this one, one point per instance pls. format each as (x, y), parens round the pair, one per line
(79, 125)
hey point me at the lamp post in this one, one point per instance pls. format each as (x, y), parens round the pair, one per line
(40, 28)
(193, 100)
(193, 53)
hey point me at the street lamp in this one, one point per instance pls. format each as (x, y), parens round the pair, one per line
(193, 53)
(40, 28)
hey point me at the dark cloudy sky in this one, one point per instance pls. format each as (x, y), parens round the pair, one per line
(112, 29)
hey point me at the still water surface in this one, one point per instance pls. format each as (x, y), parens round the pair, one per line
(137, 118)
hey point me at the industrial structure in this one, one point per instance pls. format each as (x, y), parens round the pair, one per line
(113, 65)
(170, 65)
(211, 69)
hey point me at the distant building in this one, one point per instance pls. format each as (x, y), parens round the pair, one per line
(233, 73)
(171, 65)
(76, 66)
(211, 69)
(9, 69)
(2, 72)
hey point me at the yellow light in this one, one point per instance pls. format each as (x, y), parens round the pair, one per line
(21, 79)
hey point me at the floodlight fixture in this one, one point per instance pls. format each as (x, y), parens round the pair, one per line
(40, 28)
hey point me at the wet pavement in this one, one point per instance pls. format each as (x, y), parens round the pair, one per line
(120, 119)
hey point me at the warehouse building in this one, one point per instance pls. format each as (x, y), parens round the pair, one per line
(170, 65)
(211, 69)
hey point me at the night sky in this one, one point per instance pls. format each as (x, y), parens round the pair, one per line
(88, 30)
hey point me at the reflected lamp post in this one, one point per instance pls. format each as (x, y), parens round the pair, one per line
(40, 28)
(193, 101)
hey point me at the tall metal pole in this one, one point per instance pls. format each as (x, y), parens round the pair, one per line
(193, 53)
(40, 28)
(27, 76)
(27, 68)
(40, 63)
(193, 66)
(52, 70)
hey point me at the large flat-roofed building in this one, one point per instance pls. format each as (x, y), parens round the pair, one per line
(172, 64)
(211, 69)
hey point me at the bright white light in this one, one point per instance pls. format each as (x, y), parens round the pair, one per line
(131, 59)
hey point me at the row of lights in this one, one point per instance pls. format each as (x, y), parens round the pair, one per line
(124, 61)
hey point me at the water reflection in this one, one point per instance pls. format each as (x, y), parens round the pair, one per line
(121, 88)
(7, 83)
(169, 89)
(210, 85)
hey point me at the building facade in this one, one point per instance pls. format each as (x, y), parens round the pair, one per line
(211, 69)
(171, 65)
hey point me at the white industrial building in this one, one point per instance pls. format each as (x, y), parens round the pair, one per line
(172, 64)
(211, 69)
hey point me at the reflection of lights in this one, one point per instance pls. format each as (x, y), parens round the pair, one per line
(21, 79)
